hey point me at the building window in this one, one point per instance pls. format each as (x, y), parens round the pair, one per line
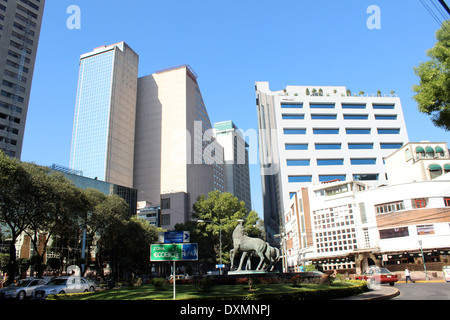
(330, 162)
(293, 116)
(299, 179)
(356, 116)
(357, 130)
(295, 131)
(388, 131)
(435, 170)
(297, 162)
(389, 207)
(165, 203)
(323, 117)
(366, 176)
(391, 145)
(296, 146)
(321, 105)
(394, 233)
(331, 177)
(328, 146)
(353, 106)
(425, 229)
(165, 219)
(383, 106)
(419, 203)
(362, 161)
(447, 202)
(355, 146)
(325, 131)
(291, 105)
(385, 117)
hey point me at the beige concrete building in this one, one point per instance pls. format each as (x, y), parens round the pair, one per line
(20, 25)
(176, 155)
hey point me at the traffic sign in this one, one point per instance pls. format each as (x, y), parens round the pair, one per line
(174, 252)
(174, 237)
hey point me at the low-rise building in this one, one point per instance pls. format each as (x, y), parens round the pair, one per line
(346, 225)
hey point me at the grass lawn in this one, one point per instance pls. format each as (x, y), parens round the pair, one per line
(186, 291)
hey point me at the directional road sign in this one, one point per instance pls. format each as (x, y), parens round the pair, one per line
(174, 237)
(174, 252)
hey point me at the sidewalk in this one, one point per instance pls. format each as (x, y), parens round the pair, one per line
(382, 293)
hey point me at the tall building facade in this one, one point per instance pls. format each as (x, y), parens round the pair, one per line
(318, 134)
(20, 25)
(236, 165)
(105, 111)
(176, 155)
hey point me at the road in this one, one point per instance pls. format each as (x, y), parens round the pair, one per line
(423, 291)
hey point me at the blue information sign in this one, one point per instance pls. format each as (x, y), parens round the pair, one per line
(175, 237)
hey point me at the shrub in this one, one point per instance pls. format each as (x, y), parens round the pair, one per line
(158, 283)
(204, 284)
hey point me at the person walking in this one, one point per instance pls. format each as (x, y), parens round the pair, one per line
(408, 275)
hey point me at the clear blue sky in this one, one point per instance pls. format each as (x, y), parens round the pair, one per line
(230, 45)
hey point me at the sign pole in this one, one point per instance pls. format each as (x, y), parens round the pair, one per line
(174, 276)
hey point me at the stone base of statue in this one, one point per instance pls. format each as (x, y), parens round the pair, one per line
(251, 272)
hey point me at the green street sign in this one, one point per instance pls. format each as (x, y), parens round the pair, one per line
(174, 252)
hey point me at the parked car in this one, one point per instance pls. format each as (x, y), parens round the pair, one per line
(446, 271)
(22, 288)
(62, 285)
(378, 275)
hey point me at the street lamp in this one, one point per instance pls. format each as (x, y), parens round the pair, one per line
(423, 257)
(220, 240)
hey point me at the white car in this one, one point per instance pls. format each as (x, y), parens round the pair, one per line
(22, 289)
(62, 285)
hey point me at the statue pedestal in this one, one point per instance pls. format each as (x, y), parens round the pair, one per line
(251, 272)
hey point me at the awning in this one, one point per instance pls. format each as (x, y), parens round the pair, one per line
(447, 166)
(419, 150)
(434, 167)
(429, 150)
(439, 149)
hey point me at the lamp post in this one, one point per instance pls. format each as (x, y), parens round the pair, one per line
(423, 257)
(220, 240)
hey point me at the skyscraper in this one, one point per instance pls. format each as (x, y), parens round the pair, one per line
(105, 111)
(318, 134)
(20, 25)
(176, 155)
(236, 165)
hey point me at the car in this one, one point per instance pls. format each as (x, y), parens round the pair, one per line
(446, 271)
(63, 285)
(378, 275)
(22, 289)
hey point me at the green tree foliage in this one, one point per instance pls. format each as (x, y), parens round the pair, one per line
(433, 92)
(222, 209)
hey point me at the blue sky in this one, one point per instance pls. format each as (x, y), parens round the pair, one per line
(230, 45)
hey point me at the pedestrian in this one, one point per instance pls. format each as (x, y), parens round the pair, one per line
(408, 275)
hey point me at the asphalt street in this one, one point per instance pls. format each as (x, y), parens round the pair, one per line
(423, 291)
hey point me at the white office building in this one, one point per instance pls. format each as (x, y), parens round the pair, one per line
(308, 135)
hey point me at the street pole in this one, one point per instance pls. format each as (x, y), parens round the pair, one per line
(220, 240)
(174, 276)
(423, 257)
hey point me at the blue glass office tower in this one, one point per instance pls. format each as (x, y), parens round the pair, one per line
(105, 110)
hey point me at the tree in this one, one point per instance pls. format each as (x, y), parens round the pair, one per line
(222, 209)
(433, 92)
(17, 206)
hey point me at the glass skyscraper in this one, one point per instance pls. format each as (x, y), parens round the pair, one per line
(103, 130)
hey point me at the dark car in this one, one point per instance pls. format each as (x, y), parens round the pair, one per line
(378, 275)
